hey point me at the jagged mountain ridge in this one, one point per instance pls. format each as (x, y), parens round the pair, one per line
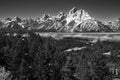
(77, 20)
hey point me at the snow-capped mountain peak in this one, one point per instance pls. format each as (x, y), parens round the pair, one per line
(17, 19)
(73, 10)
(45, 17)
(77, 20)
(77, 15)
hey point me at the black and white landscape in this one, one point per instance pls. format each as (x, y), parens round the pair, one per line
(63, 44)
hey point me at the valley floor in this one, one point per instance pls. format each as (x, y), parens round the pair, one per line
(101, 36)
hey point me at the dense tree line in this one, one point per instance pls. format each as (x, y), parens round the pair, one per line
(44, 58)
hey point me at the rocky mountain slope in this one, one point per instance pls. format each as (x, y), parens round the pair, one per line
(77, 20)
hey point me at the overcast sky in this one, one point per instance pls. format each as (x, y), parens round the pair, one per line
(100, 9)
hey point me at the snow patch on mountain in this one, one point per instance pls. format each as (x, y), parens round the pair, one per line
(77, 15)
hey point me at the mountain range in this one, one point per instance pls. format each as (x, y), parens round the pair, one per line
(76, 20)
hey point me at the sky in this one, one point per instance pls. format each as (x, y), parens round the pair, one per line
(99, 9)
